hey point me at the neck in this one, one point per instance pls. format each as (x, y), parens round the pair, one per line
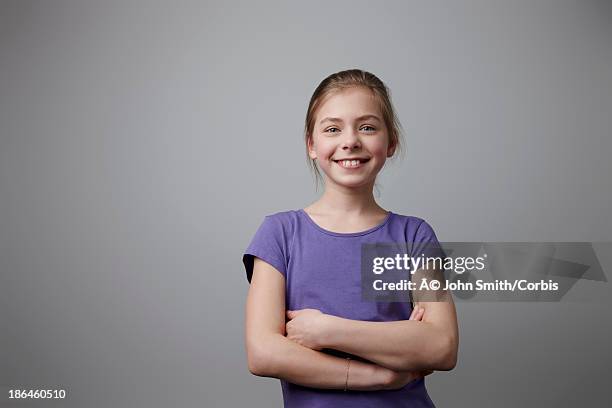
(352, 200)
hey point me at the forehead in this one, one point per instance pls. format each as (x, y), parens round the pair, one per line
(349, 103)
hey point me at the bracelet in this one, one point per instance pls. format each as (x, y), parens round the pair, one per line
(348, 366)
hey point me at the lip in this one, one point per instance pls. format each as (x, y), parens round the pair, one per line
(361, 159)
(356, 167)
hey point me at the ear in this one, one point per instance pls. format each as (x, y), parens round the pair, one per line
(391, 149)
(311, 152)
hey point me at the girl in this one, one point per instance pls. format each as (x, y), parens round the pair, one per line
(306, 322)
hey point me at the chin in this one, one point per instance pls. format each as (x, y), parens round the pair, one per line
(351, 183)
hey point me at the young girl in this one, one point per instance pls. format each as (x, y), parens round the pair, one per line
(306, 322)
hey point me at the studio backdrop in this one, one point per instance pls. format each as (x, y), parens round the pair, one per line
(143, 142)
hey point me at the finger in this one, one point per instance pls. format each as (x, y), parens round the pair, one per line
(420, 313)
(415, 313)
(290, 314)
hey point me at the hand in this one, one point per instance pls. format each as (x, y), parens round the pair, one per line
(417, 313)
(306, 327)
(398, 379)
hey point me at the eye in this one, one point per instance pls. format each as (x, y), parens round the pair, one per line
(368, 127)
(329, 130)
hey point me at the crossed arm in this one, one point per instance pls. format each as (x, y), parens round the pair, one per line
(291, 350)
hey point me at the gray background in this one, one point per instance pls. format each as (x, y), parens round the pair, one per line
(142, 143)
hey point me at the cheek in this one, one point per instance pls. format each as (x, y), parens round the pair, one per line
(325, 151)
(378, 149)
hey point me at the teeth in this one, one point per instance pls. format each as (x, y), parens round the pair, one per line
(349, 163)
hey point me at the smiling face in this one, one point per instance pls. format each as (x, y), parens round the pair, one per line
(350, 140)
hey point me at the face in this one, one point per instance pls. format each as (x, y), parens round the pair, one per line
(350, 140)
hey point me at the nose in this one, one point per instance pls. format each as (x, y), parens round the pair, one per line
(351, 141)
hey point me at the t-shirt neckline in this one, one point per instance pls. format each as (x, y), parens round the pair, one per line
(344, 234)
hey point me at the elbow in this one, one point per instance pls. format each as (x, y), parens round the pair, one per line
(438, 356)
(447, 354)
(256, 363)
(260, 360)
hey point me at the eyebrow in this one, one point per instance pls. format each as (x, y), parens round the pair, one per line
(363, 117)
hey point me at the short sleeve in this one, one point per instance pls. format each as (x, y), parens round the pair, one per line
(269, 244)
(427, 248)
(425, 242)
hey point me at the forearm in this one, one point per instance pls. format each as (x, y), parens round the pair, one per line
(284, 359)
(397, 345)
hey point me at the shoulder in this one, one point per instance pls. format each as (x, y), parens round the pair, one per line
(272, 242)
(281, 225)
(283, 216)
(411, 221)
(415, 227)
(284, 220)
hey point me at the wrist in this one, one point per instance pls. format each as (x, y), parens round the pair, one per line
(384, 377)
(367, 377)
(325, 337)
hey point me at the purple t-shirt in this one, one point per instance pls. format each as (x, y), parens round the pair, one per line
(322, 271)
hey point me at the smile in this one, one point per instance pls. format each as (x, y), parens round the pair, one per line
(351, 164)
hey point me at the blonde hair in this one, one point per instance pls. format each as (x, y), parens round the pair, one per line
(346, 79)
